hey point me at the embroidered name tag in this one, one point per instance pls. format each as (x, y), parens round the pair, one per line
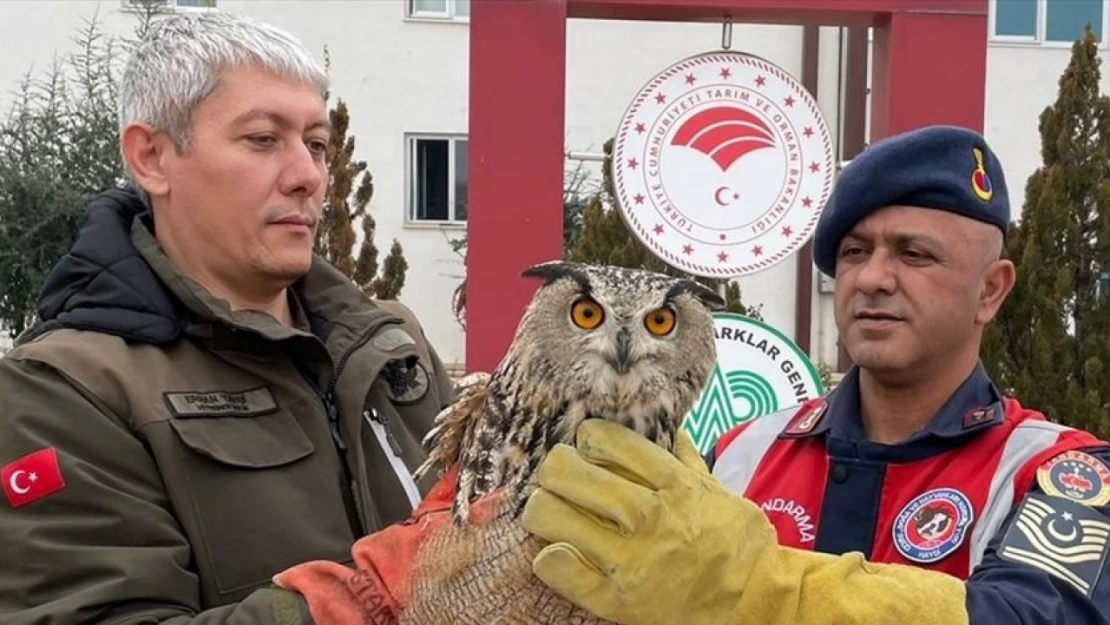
(1061, 537)
(249, 403)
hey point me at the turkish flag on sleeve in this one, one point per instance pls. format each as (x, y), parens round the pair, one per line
(32, 477)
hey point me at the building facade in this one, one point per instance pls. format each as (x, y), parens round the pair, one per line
(402, 67)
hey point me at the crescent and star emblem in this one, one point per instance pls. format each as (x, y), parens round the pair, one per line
(1060, 536)
(13, 482)
(725, 191)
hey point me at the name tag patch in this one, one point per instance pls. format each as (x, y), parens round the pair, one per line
(253, 402)
(1060, 536)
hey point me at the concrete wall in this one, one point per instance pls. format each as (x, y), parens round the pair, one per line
(402, 76)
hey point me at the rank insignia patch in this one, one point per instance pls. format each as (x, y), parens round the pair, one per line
(806, 419)
(1061, 537)
(1077, 476)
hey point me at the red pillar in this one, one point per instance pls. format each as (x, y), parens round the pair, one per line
(929, 68)
(516, 154)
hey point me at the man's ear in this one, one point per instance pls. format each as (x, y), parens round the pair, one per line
(997, 283)
(144, 150)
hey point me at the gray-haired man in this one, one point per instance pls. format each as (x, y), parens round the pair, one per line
(202, 402)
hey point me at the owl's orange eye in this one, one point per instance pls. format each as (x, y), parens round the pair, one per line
(660, 321)
(587, 314)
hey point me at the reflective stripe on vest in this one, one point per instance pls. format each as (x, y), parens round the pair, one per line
(1027, 440)
(738, 464)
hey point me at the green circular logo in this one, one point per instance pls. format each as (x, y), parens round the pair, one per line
(751, 390)
(758, 371)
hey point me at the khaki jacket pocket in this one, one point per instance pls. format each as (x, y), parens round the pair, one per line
(258, 442)
(262, 497)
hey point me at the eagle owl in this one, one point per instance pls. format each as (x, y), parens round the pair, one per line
(632, 346)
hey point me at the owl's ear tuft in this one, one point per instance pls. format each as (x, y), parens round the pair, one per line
(553, 270)
(707, 296)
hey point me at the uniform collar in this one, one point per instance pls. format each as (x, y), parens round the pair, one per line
(975, 405)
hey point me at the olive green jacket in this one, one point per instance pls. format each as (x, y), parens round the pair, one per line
(200, 451)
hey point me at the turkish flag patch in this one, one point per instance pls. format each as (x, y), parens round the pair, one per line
(32, 477)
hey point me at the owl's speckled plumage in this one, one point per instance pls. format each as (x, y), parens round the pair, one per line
(556, 374)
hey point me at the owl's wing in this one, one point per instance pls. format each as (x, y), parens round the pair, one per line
(452, 424)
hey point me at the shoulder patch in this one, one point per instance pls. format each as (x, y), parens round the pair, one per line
(1061, 537)
(32, 477)
(1077, 476)
(406, 380)
(806, 419)
(933, 525)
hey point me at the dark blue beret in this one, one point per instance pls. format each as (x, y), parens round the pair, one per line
(943, 167)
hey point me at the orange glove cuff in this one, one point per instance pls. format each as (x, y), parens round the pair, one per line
(339, 595)
(378, 588)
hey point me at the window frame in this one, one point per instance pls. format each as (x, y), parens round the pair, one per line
(1039, 37)
(449, 16)
(411, 167)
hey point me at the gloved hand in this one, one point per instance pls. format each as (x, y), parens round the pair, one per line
(641, 537)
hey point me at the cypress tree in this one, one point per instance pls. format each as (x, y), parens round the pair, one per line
(1050, 344)
(350, 189)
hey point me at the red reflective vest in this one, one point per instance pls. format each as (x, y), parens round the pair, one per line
(935, 501)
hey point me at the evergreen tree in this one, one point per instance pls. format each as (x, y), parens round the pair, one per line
(1050, 344)
(605, 239)
(350, 189)
(58, 147)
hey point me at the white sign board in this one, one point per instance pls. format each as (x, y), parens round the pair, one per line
(758, 371)
(722, 164)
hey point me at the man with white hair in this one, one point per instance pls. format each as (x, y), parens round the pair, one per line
(203, 402)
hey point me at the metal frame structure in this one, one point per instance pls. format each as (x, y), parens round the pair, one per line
(928, 66)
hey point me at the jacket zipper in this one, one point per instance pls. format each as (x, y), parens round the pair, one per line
(346, 480)
(380, 426)
(348, 483)
(328, 397)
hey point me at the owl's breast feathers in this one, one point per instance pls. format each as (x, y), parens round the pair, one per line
(497, 432)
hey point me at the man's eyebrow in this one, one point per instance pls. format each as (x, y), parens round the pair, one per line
(917, 237)
(902, 238)
(257, 113)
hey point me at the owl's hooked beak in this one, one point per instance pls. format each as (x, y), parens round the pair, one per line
(624, 351)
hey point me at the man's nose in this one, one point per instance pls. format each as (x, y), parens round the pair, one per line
(303, 172)
(877, 273)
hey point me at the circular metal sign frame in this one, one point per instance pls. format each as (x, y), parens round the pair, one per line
(722, 164)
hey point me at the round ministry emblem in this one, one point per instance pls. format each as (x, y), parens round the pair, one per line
(932, 525)
(758, 371)
(722, 164)
(1077, 476)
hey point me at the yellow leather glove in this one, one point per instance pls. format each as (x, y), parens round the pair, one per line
(640, 537)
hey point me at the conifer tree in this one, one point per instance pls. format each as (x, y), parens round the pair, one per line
(59, 146)
(605, 239)
(350, 189)
(1050, 344)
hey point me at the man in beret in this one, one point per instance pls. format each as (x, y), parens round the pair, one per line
(915, 492)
